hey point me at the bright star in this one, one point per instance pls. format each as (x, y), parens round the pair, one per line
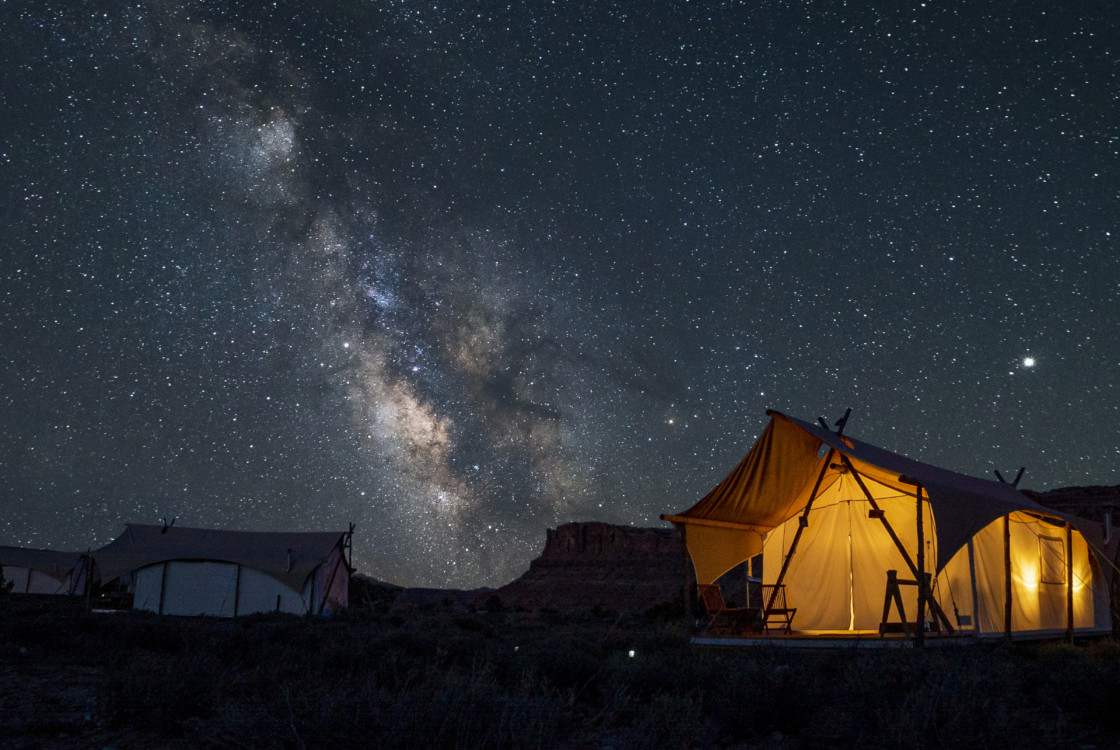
(1028, 361)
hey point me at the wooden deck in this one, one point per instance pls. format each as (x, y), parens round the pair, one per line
(872, 639)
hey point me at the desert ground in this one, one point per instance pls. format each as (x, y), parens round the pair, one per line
(441, 675)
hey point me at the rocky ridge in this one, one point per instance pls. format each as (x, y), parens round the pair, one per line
(593, 565)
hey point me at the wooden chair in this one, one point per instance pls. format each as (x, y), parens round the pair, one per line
(725, 620)
(775, 607)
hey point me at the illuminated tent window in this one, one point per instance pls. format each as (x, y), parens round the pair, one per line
(1051, 560)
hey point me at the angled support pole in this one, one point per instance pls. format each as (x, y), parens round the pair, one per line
(1007, 577)
(923, 579)
(925, 593)
(803, 522)
(934, 607)
(1069, 582)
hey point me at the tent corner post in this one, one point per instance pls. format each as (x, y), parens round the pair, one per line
(1007, 577)
(1069, 581)
(920, 621)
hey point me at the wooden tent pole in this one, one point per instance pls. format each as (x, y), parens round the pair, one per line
(237, 590)
(1069, 581)
(802, 524)
(1007, 576)
(934, 607)
(804, 520)
(880, 515)
(920, 622)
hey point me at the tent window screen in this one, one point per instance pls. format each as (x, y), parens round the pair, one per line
(1051, 560)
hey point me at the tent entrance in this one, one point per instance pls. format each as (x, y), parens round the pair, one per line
(834, 557)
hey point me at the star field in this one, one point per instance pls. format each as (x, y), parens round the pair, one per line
(461, 272)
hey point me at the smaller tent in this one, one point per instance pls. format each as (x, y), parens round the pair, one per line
(184, 571)
(43, 571)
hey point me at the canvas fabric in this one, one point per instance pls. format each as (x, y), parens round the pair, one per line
(837, 577)
(289, 557)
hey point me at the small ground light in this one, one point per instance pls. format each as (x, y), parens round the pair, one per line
(631, 653)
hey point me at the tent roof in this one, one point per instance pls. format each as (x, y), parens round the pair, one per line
(774, 482)
(50, 562)
(267, 551)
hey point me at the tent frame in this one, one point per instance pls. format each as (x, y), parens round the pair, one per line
(920, 578)
(927, 486)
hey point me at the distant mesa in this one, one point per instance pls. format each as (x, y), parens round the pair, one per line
(1094, 503)
(593, 566)
(600, 566)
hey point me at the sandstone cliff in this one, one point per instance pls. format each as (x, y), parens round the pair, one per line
(1088, 502)
(592, 565)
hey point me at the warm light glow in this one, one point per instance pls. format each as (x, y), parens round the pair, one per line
(1029, 576)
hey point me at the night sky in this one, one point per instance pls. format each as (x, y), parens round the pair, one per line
(460, 272)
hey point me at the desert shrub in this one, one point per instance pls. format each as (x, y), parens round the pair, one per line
(667, 720)
(471, 624)
(930, 699)
(149, 691)
(565, 663)
(438, 680)
(673, 610)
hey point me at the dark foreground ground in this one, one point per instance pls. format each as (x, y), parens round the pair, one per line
(436, 678)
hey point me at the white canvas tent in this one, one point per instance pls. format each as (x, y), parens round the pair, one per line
(43, 571)
(185, 571)
(831, 515)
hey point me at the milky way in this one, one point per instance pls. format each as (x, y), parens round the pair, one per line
(457, 274)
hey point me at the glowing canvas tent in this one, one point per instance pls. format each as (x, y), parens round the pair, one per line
(43, 571)
(831, 516)
(184, 571)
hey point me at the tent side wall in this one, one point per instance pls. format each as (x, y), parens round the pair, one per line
(1039, 558)
(332, 584)
(260, 592)
(219, 589)
(28, 581)
(837, 577)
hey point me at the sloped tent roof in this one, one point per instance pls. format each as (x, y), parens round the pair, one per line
(267, 551)
(57, 565)
(776, 478)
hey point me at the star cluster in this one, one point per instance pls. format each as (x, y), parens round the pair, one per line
(461, 272)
